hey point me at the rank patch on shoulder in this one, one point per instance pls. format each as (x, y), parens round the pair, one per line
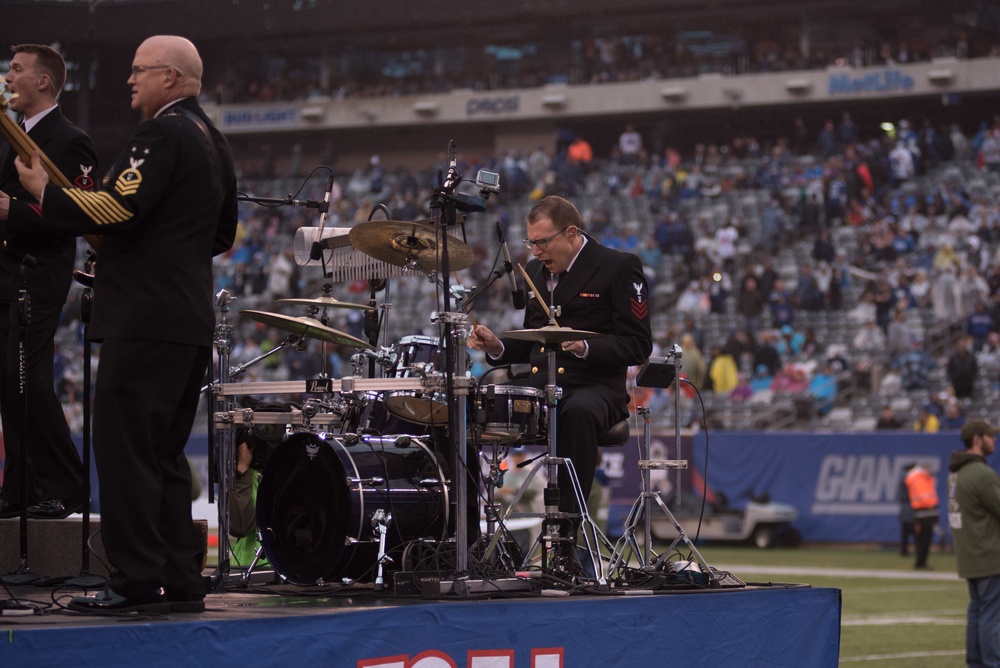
(129, 181)
(84, 181)
(640, 305)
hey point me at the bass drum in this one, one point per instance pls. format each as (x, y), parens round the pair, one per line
(317, 497)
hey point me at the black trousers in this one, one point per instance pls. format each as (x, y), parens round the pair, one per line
(924, 528)
(146, 399)
(584, 413)
(54, 468)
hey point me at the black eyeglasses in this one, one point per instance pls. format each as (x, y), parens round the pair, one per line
(139, 69)
(542, 243)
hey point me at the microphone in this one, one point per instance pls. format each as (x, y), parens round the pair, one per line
(316, 252)
(451, 180)
(516, 296)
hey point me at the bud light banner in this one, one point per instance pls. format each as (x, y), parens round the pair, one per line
(844, 486)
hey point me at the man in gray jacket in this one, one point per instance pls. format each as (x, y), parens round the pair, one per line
(974, 517)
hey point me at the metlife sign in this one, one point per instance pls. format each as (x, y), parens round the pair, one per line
(876, 82)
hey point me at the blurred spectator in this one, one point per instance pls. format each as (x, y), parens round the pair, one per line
(963, 369)
(979, 324)
(750, 302)
(926, 421)
(887, 420)
(723, 372)
(914, 366)
(954, 417)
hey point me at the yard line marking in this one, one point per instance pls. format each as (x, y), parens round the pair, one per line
(918, 588)
(841, 572)
(903, 655)
(906, 619)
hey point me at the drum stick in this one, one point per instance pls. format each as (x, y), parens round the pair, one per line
(537, 297)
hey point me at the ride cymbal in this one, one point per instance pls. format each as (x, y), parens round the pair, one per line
(307, 327)
(400, 243)
(550, 334)
(325, 302)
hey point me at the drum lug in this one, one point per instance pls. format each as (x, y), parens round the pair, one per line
(367, 482)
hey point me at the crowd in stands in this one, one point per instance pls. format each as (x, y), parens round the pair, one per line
(371, 72)
(807, 273)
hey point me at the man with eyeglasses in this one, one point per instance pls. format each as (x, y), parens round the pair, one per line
(600, 290)
(974, 518)
(166, 207)
(53, 471)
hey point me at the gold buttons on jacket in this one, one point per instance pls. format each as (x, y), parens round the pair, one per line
(561, 370)
(542, 349)
(534, 369)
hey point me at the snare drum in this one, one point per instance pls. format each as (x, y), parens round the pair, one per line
(414, 354)
(512, 413)
(317, 498)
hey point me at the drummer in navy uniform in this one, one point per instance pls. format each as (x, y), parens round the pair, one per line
(599, 290)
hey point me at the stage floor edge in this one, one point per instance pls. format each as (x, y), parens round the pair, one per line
(772, 625)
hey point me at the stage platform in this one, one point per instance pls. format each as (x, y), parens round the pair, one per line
(548, 626)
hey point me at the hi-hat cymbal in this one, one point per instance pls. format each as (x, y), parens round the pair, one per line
(307, 327)
(325, 302)
(400, 243)
(550, 334)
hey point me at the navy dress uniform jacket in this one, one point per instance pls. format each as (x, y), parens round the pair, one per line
(155, 282)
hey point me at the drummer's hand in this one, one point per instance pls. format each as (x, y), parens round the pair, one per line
(577, 348)
(483, 339)
(4, 205)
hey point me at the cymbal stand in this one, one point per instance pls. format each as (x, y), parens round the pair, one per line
(224, 452)
(555, 541)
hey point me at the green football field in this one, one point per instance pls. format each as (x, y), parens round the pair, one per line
(892, 614)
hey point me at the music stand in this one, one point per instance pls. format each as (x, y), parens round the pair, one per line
(657, 372)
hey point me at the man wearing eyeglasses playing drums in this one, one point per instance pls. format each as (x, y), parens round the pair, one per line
(597, 289)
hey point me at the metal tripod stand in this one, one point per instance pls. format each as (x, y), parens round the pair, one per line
(656, 373)
(555, 539)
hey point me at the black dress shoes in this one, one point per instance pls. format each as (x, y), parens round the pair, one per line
(8, 510)
(54, 509)
(183, 604)
(110, 603)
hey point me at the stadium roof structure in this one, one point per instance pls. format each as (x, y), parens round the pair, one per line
(404, 22)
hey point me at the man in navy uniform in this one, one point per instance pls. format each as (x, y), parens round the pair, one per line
(599, 290)
(54, 472)
(166, 207)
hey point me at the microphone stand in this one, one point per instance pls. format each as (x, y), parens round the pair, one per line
(86, 579)
(456, 423)
(23, 575)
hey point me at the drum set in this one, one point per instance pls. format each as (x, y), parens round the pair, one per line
(381, 471)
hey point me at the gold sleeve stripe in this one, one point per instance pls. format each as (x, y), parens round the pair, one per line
(100, 207)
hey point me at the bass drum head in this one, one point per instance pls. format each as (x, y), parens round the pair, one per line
(302, 508)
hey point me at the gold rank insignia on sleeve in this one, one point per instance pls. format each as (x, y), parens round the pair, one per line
(129, 181)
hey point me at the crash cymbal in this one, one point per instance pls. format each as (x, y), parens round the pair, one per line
(307, 327)
(399, 243)
(325, 302)
(550, 334)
